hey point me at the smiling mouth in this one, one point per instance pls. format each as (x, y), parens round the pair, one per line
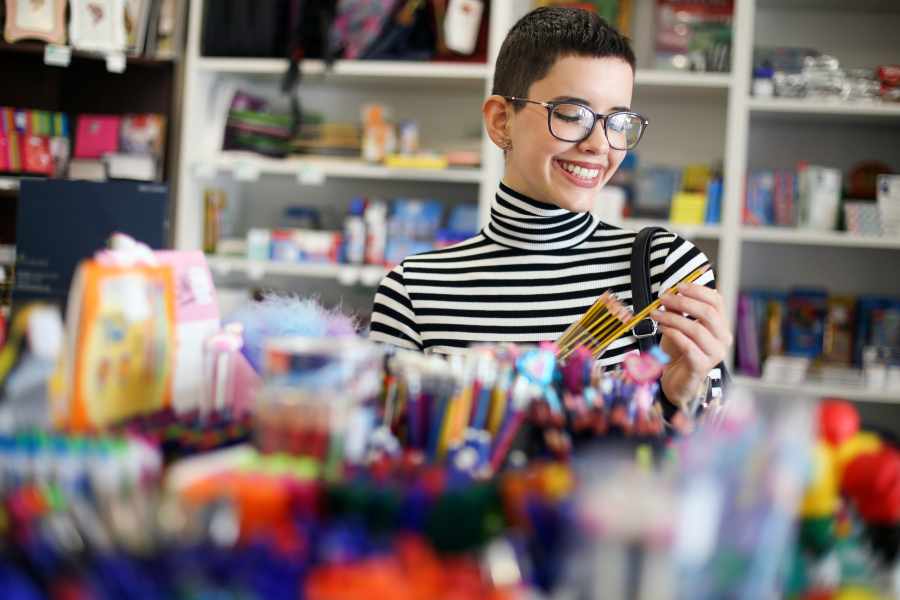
(585, 174)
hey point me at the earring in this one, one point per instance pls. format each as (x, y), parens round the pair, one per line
(507, 145)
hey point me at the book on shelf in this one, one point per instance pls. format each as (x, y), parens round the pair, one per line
(830, 330)
(809, 197)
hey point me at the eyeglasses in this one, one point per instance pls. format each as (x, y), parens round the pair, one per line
(572, 122)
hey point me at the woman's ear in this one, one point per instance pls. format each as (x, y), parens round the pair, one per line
(497, 118)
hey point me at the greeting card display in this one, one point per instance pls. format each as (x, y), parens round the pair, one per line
(98, 25)
(36, 19)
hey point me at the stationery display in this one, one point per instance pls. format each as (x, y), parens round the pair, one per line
(792, 72)
(690, 196)
(235, 520)
(694, 36)
(34, 142)
(317, 464)
(815, 197)
(375, 232)
(120, 348)
(849, 516)
(835, 332)
(253, 125)
(126, 146)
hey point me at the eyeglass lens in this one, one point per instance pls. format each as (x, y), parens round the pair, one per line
(573, 123)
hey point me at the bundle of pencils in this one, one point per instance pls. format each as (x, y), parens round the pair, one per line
(607, 320)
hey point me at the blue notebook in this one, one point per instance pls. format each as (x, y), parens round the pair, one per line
(60, 222)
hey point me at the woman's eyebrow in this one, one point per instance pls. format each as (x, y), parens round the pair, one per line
(571, 99)
(585, 102)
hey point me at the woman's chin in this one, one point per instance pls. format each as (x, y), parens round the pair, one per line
(577, 203)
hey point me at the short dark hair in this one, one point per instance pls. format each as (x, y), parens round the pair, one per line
(548, 33)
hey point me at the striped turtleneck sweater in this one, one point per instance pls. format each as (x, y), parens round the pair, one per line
(531, 272)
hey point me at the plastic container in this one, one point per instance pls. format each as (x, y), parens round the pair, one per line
(312, 387)
(763, 82)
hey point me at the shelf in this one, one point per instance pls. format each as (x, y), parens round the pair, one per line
(312, 170)
(33, 47)
(9, 183)
(705, 232)
(804, 106)
(367, 275)
(12, 183)
(682, 79)
(820, 390)
(857, 6)
(7, 255)
(785, 235)
(358, 69)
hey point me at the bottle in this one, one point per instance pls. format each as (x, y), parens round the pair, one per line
(355, 233)
(763, 83)
(376, 232)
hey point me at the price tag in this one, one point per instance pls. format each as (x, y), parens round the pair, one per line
(348, 275)
(372, 276)
(245, 170)
(222, 267)
(115, 62)
(256, 271)
(310, 175)
(57, 56)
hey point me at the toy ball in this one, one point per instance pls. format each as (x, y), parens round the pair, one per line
(821, 498)
(872, 481)
(838, 421)
(863, 442)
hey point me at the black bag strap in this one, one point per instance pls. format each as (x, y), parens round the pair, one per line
(641, 292)
(299, 14)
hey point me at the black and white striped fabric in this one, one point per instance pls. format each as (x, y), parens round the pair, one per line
(531, 272)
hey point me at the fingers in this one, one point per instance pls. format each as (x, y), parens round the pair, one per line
(702, 293)
(703, 304)
(696, 359)
(709, 345)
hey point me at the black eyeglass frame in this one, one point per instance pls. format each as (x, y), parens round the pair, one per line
(551, 106)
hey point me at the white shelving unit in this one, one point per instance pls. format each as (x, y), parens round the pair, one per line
(834, 108)
(777, 132)
(370, 69)
(693, 232)
(784, 235)
(314, 170)
(695, 118)
(367, 275)
(672, 79)
(821, 390)
(9, 183)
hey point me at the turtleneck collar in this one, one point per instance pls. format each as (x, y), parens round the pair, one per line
(521, 222)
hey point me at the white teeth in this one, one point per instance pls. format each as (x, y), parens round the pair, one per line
(579, 171)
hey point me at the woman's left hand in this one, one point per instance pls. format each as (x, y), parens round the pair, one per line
(695, 345)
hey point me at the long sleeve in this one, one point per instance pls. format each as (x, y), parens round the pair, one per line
(393, 317)
(682, 258)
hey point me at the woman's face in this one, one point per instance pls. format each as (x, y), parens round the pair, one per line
(541, 166)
